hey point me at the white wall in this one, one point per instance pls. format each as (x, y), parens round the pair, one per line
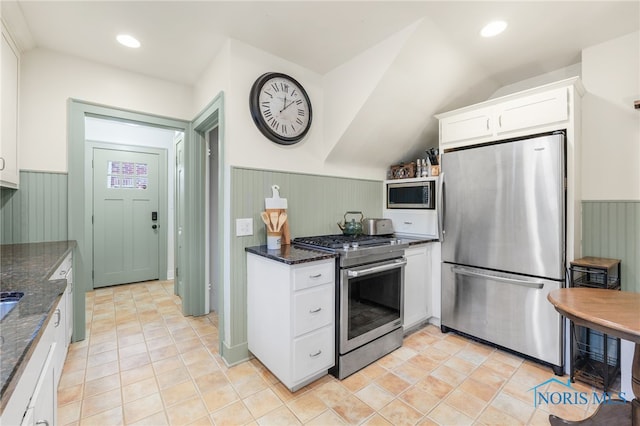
(610, 125)
(234, 71)
(49, 79)
(348, 86)
(244, 144)
(540, 80)
(214, 79)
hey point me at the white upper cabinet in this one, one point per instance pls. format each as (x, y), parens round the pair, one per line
(466, 126)
(9, 57)
(538, 110)
(531, 111)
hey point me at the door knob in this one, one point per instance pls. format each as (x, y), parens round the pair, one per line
(154, 226)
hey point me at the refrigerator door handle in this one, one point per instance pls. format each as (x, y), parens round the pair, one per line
(537, 284)
(440, 207)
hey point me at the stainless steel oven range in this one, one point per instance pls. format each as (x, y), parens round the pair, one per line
(369, 297)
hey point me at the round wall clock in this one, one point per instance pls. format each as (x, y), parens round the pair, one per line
(280, 108)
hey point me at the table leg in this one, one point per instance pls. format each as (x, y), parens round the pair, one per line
(613, 414)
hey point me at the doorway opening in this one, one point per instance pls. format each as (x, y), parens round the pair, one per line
(131, 188)
(87, 124)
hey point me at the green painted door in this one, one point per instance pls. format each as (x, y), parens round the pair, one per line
(125, 234)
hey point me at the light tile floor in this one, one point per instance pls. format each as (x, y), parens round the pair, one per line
(143, 363)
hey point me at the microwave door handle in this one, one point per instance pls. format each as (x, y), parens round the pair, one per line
(440, 207)
(368, 271)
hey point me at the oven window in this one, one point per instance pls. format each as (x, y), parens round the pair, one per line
(374, 300)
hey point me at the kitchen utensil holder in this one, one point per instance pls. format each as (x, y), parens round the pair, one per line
(284, 231)
(274, 240)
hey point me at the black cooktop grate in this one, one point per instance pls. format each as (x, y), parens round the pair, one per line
(337, 241)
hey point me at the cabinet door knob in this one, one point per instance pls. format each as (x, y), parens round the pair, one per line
(313, 311)
(57, 323)
(43, 422)
(315, 276)
(316, 354)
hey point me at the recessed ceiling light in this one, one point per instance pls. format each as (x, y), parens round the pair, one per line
(493, 28)
(127, 40)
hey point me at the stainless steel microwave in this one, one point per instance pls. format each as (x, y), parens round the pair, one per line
(411, 195)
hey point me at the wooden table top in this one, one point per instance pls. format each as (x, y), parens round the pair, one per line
(616, 313)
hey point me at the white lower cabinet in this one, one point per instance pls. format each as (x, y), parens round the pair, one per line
(290, 318)
(312, 353)
(69, 300)
(422, 285)
(42, 407)
(34, 400)
(417, 285)
(60, 340)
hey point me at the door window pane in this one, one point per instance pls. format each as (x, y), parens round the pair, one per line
(127, 175)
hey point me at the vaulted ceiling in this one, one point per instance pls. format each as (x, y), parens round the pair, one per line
(440, 61)
(180, 38)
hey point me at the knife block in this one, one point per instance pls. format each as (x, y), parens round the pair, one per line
(284, 231)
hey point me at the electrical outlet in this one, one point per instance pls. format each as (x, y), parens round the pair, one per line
(244, 227)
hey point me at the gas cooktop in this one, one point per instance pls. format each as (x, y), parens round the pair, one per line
(355, 249)
(340, 241)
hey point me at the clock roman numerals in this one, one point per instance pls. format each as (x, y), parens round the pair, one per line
(280, 108)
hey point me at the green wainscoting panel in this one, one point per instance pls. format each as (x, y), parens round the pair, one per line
(612, 229)
(37, 212)
(315, 205)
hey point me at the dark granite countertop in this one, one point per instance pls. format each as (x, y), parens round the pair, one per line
(291, 255)
(26, 268)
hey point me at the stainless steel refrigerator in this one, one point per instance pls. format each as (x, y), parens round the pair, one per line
(503, 247)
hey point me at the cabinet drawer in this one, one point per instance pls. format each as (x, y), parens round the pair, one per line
(313, 275)
(62, 270)
(312, 309)
(313, 353)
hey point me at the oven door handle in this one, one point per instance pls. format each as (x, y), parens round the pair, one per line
(353, 273)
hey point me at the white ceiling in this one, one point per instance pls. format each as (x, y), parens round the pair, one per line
(180, 38)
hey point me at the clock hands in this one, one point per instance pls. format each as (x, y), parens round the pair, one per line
(285, 104)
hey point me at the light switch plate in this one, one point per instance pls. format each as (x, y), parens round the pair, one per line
(244, 227)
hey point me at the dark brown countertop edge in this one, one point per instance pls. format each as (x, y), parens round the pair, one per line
(291, 255)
